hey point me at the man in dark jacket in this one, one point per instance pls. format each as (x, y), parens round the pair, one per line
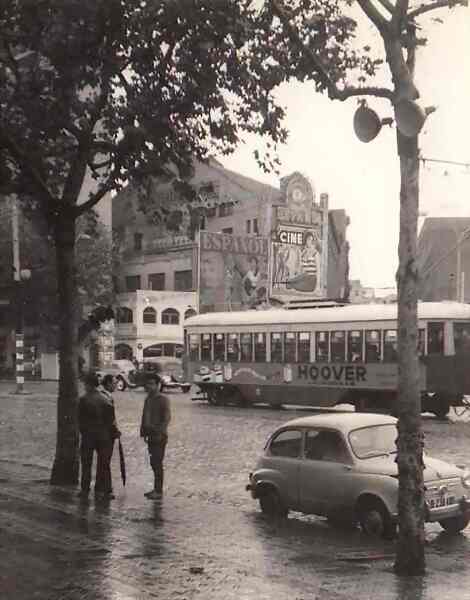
(154, 429)
(98, 430)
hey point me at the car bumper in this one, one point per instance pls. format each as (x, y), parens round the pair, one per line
(460, 508)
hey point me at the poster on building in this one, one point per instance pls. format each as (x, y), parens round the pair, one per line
(300, 248)
(233, 272)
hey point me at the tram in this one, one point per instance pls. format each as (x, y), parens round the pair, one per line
(325, 356)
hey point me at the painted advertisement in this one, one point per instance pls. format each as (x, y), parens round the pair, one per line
(233, 272)
(300, 249)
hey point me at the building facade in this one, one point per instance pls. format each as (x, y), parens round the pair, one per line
(158, 242)
(444, 259)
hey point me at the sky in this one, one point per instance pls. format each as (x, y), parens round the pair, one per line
(363, 178)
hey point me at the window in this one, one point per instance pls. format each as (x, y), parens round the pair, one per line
(338, 346)
(373, 343)
(436, 338)
(322, 342)
(183, 281)
(390, 345)
(226, 209)
(355, 346)
(421, 341)
(260, 347)
(156, 281)
(189, 313)
(219, 346)
(150, 315)
(124, 315)
(255, 226)
(154, 351)
(246, 347)
(206, 350)
(248, 226)
(233, 347)
(170, 316)
(276, 347)
(287, 443)
(325, 445)
(228, 230)
(193, 346)
(290, 347)
(138, 237)
(461, 337)
(133, 283)
(303, 346)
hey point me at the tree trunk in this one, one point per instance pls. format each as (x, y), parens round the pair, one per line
(66, 464)
(410, 558)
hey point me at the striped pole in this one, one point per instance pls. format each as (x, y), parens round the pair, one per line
(19, 362)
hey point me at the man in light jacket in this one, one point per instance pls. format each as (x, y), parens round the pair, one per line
(154, 429)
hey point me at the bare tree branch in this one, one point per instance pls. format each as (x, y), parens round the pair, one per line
(388, 5)
(334, 92)
(399, 15)
(374, 15)
(94, 199)
(424, 8)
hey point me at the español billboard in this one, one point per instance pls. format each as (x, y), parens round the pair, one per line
(233, 272)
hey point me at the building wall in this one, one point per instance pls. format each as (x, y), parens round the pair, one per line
(139, 335)
(443, 242)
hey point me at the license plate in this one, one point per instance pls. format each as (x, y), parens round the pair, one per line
(441, 501)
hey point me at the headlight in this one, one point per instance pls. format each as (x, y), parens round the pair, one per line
(466, 479)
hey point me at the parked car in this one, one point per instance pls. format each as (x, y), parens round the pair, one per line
(170, 381)
(342, 466)
(121, 369)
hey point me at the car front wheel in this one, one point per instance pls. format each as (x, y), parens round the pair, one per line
(120, 384)
(375, 520)
(454, 524)
(271, 504)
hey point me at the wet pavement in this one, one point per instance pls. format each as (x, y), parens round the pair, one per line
(206, 538)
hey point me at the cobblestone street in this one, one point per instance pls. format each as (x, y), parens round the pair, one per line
(206, 539)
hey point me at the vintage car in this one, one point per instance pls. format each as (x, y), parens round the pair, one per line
(121, 371)
(342, 466)
(171, 380)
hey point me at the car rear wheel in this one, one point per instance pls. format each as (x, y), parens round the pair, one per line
(375, 520)
(454, 524)
(120, 384)
(271, 504)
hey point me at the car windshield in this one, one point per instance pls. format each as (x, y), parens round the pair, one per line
(377, 440)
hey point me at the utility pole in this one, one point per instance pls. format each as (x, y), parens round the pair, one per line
(18, 276)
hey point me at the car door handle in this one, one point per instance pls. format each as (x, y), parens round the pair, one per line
(347, 468)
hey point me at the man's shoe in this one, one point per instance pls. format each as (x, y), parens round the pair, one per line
(153, 495)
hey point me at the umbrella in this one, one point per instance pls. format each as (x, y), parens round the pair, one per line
(122, 463)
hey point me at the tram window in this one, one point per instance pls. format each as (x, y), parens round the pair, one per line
(436, 338)
(421, 338)
(193, 346)
(322, 346)
(390, 345)
(373, 345)
(219, 346)
(206, 346)
(276, 347)
(233, 349)
(462, 337)
(290, 347)
(303, 346)
(246, 347)
(355, 346)
(338, 346)
(260, 347)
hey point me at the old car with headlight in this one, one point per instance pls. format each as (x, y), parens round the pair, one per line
(342, 466)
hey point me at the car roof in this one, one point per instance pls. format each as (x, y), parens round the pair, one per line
(344, 422)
